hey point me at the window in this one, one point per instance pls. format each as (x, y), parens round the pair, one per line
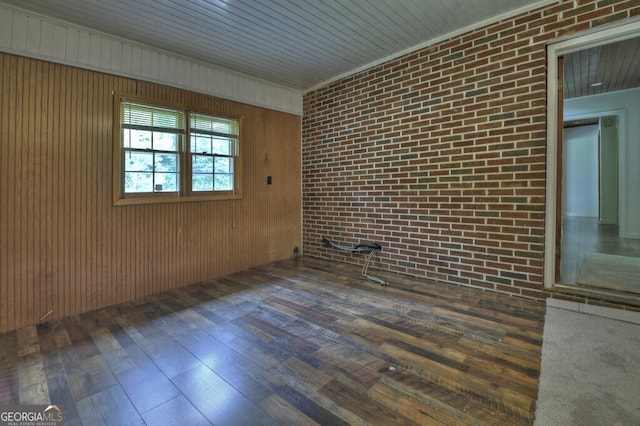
(213, 145)
(169, 154)
(151, 137)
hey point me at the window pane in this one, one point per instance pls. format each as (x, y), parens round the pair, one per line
(166, 163)
(140, 139)
(138, 115)
(222, 146)
(201, 144)
(202, 164)
(134, 114)
(166, 182)
(165, 141)
(213, 124)
(163, 118)
(223, 165)
(224, 182)
(126, 138)
(202, 182)
(138, 182)
(138, 161)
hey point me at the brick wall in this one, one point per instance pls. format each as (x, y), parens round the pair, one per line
(440, 155)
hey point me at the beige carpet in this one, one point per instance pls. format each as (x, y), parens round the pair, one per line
(590, 373)
(611, 272)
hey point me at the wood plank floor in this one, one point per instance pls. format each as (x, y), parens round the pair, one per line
(295, 342)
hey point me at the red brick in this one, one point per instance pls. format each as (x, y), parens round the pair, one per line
(443, 153)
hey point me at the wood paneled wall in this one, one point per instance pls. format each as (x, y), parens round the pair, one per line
(65, 248)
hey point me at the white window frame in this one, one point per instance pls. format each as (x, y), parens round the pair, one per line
(556, 49)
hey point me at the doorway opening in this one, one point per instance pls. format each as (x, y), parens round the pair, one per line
(587, 208)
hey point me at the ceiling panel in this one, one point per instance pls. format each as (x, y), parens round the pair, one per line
(297, 43)
(601, 69)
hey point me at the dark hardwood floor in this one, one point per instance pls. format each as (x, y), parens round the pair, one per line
(295, 342)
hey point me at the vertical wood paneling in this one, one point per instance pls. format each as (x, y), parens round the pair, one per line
(59, 42)
(13, 186)
(29, 178)
(63, 245)
(71, 45)
(33, 35)
(6, 26)
(4, 204)
(5, 315)
(18, 31)
(46, 38)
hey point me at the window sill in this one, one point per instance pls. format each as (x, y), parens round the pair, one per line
(175, 199)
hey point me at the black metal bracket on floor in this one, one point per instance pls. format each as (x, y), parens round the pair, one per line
(371, 248)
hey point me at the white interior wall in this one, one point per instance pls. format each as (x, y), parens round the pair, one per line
(629, 145)
(609, 159)
(580, 182)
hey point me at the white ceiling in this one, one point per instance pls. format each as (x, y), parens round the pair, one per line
(296, 43)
